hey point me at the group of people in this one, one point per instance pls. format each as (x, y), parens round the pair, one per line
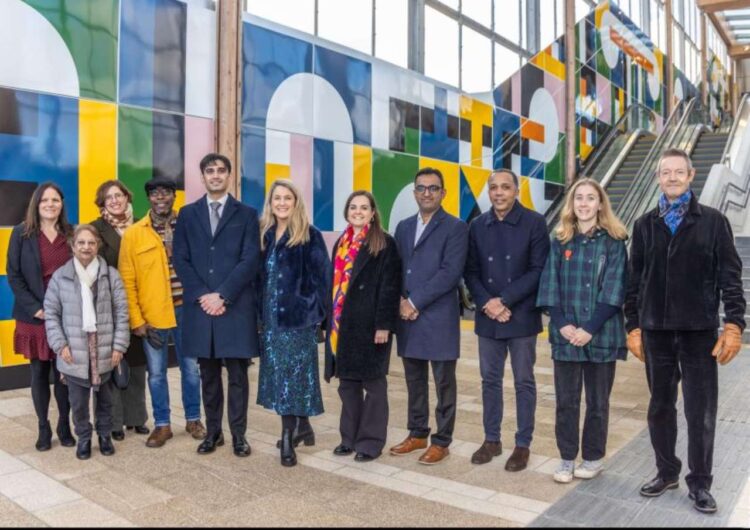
(226, 286)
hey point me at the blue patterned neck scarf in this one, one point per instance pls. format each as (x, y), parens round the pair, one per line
(673, 213)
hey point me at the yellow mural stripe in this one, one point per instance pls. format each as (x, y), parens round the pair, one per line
(476, 178)
(275, 172)
(362, 168)
(478, 114)
(179, 199)
(452, 179)
(525, 194)
(7, 356)
(549, 64)
(4, 239)
(97, 148)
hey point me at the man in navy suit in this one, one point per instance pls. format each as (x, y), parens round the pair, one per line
(216, 255)
(433, 246)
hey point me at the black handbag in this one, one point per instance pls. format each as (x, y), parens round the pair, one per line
(121, 375)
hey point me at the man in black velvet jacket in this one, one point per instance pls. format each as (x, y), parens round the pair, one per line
(682, 263)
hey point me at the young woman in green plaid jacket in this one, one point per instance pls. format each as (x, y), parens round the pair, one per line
(583, 288)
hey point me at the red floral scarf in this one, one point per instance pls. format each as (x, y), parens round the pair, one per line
(343, 264)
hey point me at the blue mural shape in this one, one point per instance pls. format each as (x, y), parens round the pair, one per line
(442, 141)
(253, 169)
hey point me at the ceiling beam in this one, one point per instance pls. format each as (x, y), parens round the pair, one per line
(740, 51)
(712, 6)
(722, 29)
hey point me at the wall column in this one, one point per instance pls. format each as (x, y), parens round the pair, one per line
(704, 60)
(670, 55)
(228, 85)
(570, 92)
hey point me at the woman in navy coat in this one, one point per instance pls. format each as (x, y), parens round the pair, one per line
(295, 285)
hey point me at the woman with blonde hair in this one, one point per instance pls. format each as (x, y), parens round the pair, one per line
(583, 288)
(295, 282)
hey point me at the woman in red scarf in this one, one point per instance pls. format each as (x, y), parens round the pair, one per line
(364, 312)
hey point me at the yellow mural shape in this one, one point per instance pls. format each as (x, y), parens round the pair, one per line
(476, 178)
(452, 179)
(7, 356)
(362, 168)
(275, 172)
(97, 145)
(525, 193)
(479, 114)
(549, 64)
(4, 239)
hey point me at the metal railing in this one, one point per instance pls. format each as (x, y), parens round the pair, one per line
(729, 156)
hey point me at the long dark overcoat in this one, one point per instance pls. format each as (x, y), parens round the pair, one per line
(431, 271)
(505, 260)
(225, 263)
(371, 304)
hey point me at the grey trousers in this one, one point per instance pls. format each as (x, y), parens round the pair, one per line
(80, 397)
(129, 405)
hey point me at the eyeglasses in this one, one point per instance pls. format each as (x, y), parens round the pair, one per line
(421, 188)
(666, 173)
(160, 192)
(211, 170)
(114, 197)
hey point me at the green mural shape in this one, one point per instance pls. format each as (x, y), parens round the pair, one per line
(391, 172)
(135, 165)
(411, 140)
(554, 171)
(89, 28)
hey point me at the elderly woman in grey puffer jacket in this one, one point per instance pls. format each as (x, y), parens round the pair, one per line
(86, 317)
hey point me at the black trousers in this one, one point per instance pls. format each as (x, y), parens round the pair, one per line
(570, 379)
(40, 393)
(672, 356)
(80, 398)
(364, 414)
(213, 394)
(444, 373)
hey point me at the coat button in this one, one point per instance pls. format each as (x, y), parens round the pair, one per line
(361, 287)
(281, 310)
(588, 285)
(490, 258)
(212, 247)
(210, 271)
(281, 291)
(507, 257)
(490, 280)
(408, 271)
(280, 275)
(590, 261)
(509, 280)
(585, 309)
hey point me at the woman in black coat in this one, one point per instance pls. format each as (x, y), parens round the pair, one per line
(366, 287)
(115, 202)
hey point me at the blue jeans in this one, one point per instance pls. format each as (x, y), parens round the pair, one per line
(157, 360)
(492, 354)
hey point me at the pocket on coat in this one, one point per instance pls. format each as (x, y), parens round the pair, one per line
(146, 255)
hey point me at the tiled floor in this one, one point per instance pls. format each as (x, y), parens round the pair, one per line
(175, 486)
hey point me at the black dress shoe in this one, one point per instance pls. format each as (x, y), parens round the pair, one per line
(240, 446)
(342, 450)
(44, 440)
(64, 434)
(141, 429)
(362, 457)
(210, 444)
(118, 435)
(703, 501)
(105, 446)
(83, 452)
(658, 486)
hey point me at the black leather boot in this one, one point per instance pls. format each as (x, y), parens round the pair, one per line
(44, 441)
(105, 446)
(64, 433)
(288, 456)
(307, 437)
(84, 450)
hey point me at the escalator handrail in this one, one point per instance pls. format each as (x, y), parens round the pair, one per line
(725, 161)
(610, 174)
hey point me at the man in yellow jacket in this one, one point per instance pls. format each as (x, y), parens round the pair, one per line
(155, 302)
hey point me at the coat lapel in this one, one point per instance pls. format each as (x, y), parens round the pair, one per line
(202, 206)
(363, 256)
(34, 243)
(229, 208)
(431, 226)
(110, 237)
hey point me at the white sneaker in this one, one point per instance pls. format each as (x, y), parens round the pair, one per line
(588, 469)
(564, 472)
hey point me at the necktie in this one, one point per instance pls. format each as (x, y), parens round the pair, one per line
(214, 215)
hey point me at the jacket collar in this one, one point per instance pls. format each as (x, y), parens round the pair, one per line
(229, 208)
(513, 216)
(694, 208)
(435, 220)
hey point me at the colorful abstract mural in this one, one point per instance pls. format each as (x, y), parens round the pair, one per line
(68, 115)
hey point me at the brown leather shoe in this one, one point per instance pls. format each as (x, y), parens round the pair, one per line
(433, 455)
(408, 445)
(159, 436)
(485, 453)
(196, 429)
(518, 460)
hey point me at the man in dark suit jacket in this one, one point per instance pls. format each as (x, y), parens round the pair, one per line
(216, 255)
(433, 246)
(508, 246)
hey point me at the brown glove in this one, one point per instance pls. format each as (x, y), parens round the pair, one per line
(729, 343)
(635, 344)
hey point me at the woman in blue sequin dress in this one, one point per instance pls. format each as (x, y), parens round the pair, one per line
(295, 294)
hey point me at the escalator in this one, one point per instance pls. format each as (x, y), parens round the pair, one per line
(708, 151)
(623, 178)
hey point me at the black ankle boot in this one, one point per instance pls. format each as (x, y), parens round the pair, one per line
(64, 434)
(105, 446)
(288, 456)
(44, 441)
(84, 450)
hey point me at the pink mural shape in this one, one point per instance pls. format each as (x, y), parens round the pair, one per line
(301, 164)
(556, 88)
(199, 141)
(604, 99)
(516, 93)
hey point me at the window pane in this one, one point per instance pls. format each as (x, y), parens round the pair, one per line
(391, 31)
(559, 18)
(297, 14)
(507, 19)
(547, 26)
(476, 62)
(506, 63)
(356, 32)
(582, 9)
(441, 47)
(635, 12)
(450, 3)
(480, 10)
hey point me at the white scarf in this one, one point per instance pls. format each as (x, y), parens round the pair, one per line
(87, 276)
